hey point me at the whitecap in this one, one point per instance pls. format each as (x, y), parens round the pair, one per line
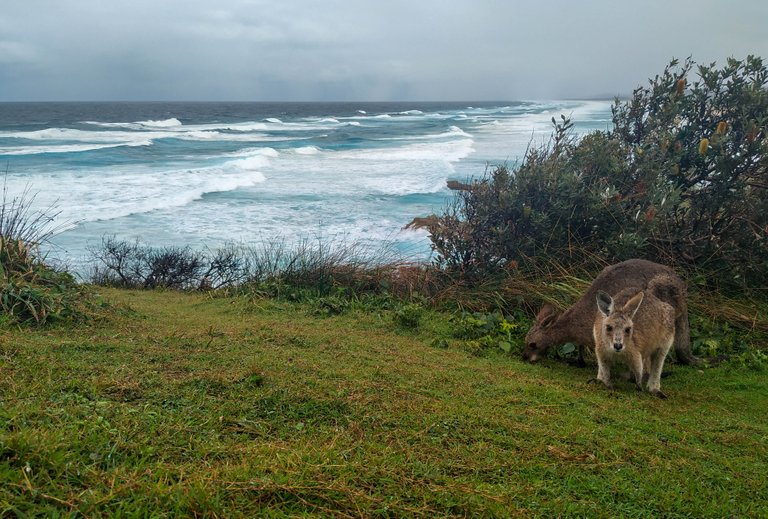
(138, 125)
(69, 134)
(237, 127)
(67, 148)
(307, 150)
(445, 151)
(451, 132)
(110, 125)
(199, 135)
(115, 193)
(165, 123)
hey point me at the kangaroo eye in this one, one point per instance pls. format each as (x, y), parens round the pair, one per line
(608, 328)
(627, 330)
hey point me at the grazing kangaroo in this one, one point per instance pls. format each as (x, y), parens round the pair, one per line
(637, 329)
(575, 324)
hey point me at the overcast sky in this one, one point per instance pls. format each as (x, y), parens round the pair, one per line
(359, 50)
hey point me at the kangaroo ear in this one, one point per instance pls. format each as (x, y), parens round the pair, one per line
(633, 304)
(546, 316)
(604, 303)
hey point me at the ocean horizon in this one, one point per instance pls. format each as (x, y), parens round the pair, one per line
(206, 174)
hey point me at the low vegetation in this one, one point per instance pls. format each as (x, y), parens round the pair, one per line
(319, 268)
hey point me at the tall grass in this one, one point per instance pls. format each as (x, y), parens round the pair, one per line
(323, 266)
(318, 266)
(31, 290)
(19, 221)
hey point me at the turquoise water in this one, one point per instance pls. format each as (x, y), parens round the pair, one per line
(205, 174)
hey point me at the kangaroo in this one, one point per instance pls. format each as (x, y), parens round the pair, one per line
(575, 324)
(635, 328)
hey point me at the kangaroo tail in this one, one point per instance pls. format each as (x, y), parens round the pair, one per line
(672, 290)
(682, 342)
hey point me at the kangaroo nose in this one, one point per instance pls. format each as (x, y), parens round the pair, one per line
(618, 346)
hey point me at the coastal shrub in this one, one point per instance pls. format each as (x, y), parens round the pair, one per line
(681, 178)
(707, 144)
(552, 206)
(307, 269)
(132, 265)
(322, 267)
(31, 291)
(125, 264)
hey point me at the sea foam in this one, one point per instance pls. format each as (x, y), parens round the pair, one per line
(165, 123)
(67, 148)
(361, 173)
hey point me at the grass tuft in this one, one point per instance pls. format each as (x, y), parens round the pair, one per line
(32, 291)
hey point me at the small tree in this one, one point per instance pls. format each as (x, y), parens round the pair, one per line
(706, 144)
(557, 203)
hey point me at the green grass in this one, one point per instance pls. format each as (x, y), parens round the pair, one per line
(180, 404)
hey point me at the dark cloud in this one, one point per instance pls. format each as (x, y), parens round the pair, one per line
(359, 49)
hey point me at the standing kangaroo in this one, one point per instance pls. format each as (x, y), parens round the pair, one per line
(575, 324)
(637, 329)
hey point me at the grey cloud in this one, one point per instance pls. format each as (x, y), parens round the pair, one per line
(359, 49)
(17, 52)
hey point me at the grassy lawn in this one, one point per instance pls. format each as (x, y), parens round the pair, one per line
(182, 404)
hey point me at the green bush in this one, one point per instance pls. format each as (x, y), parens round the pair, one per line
(680, 179)
(332, 305)
(489, 331)
(125, 264)
(275, 268)
(409, 315)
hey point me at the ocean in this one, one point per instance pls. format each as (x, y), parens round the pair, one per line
(208, 174)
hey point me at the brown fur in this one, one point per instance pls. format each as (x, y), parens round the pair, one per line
(575, 324)
(637, 329)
